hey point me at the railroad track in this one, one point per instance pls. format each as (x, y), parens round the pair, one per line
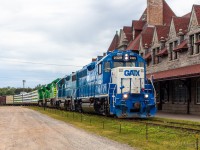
(175, 125)
(195, 128)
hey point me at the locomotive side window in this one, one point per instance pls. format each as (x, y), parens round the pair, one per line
(100, 68)
(84, 73)
(107, 66)
(73, 77)
(118, 64)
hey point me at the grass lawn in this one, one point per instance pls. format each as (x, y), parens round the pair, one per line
(135, 134)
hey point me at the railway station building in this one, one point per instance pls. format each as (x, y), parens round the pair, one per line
(171, 46)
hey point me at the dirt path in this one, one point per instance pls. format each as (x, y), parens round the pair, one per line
(25, 129)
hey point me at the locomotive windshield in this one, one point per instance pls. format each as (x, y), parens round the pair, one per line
(123, 64)
(130, 64)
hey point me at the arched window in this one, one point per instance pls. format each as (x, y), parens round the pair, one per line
(198, 91)
(180, 92)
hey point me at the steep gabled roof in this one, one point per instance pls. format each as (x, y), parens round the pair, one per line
(197, 12)
(134, 45)
(187, 15)
(147, 56)
(167, 14)
(182, 45)
(162, 31)
(147, 36)
(163, 52)
(114, 43)
(144, 15)
(138, 24)
(181, 23)
(128, 32)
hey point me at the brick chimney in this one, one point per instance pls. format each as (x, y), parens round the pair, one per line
(155, 12)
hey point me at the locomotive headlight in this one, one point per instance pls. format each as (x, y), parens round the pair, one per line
(125, 96)
(146, 96)
(126, 57)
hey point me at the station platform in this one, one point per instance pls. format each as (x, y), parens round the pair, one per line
(187, 117)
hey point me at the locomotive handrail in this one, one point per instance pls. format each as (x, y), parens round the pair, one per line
(155, 101)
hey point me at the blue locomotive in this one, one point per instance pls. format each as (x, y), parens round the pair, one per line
(114, 84)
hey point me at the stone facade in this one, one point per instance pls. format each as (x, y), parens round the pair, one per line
(172, 53)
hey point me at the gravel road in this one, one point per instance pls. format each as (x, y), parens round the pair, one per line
(25, 129)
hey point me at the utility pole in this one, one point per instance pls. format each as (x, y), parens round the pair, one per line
(23, 84)
(24, 81)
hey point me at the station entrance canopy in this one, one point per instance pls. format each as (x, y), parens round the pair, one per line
(183, 72)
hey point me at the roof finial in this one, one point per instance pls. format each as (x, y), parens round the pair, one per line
(117, 32)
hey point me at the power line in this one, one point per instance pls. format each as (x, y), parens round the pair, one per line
(28, 78)
(39, 63)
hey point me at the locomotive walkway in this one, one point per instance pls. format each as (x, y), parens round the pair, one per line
(189, 117)
(25, 129)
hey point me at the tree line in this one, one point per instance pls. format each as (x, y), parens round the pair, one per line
(12, 91)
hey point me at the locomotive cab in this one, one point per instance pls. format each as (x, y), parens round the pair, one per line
(130, 95)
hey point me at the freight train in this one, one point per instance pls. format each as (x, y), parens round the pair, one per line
(114, 84)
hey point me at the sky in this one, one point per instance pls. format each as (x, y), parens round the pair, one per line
(41, 40)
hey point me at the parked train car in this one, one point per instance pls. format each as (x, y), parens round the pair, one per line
(26, 98)
(41, 95)
(2, 100)
(66, 92)
(9, 100)
(48, 94)
(115, 84)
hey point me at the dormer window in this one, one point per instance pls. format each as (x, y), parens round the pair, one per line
(175, 53)
(170, 50)
(192, 44)
(158, 58)
(198, 43)
(154, 56)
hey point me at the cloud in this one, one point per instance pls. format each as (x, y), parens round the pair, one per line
(60, 32)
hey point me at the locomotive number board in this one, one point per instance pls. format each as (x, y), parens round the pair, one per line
(133, 58)
(120, 57)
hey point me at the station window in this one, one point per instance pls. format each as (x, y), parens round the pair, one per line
(170, 50)
(180, 92)
(154, 56)
(192, 44)
(175, 53)
(157, 57)
(198, 46)
(198, 91)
